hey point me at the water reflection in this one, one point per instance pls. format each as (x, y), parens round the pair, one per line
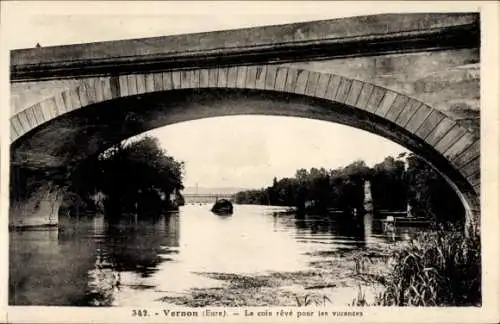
(91, 262)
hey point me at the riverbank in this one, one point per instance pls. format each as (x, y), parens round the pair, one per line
(340, 277)
(438, 268)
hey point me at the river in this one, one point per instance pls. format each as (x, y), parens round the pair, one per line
(191, 258)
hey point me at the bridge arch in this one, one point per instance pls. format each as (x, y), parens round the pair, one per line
(271, 89)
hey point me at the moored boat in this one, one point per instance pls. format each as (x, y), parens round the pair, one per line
(406, 221)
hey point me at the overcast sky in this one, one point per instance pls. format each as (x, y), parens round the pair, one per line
(242, 151)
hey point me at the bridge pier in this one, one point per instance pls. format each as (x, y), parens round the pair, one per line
(37, 206)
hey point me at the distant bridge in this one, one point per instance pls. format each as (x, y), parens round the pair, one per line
(205, 198)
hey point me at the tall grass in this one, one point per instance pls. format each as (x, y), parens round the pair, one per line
(310, 300)
(435, 269)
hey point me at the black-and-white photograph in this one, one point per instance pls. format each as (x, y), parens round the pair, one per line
(192, 161)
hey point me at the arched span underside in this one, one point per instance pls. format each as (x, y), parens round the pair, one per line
(64, 130)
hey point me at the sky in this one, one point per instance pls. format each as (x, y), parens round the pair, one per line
(248, 151)
(237, 151)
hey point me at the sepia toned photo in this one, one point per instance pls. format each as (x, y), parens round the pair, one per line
(191, 168)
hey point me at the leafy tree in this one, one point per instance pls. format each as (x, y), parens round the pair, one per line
(138, 177)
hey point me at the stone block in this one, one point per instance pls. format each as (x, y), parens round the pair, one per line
(301, 82)
(23, 118)
(271, 74)
(343, 90)
(232, 77)
(132, 84)
(471, 167)
(291, 80)
(158, 81)
(281, 75)
(251, 77)
(14, 120)
(439, 131)
(90, 91)
(36, 114)
(176, 80)
(312, 83)
(418, 118)
(386, 103)
(260, 77)
(474, 179)
(106, 89)
(471, 152)
(195, 79)
(114, 85)
(141, 83)
(398, 105)
(30, 116)
(168, 83)
(354, 92)
(429, 123)
(185, 79)
(150, 82)
(333, 87)
(450, 138)
(213, 75)
(98, 84)
(375, 99)
(460, 145)
(49, 105)
(204, 78)
(222, 77)
(321, 88)
(123, 85)
(13, 132)
(241, 78)
(82, 94)
(364, 95)
(408, 111)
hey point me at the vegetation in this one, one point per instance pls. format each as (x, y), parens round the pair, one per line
(440, 268)
(137, 177)
(319, 189)
(394, 183)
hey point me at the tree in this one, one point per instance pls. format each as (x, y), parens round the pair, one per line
(138, 177)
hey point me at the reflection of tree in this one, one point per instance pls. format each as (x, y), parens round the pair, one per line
(339, 225)
(129, 247)
(137, 248)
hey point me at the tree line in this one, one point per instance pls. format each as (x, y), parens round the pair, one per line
(394, 182)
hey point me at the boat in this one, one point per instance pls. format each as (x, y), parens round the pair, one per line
(406, 221)
(222, 207)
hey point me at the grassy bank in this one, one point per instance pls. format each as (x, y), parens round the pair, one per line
(435, 269)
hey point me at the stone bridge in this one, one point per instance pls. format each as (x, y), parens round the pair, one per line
(411, 78)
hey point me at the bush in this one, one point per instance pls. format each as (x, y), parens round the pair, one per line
(435, 269)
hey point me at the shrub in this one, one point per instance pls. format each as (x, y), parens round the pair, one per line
(436, 269)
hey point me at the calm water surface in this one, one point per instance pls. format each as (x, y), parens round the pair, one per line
(87, 262)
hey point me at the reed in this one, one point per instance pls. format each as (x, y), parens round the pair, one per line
(312, 300)
(435, 269)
